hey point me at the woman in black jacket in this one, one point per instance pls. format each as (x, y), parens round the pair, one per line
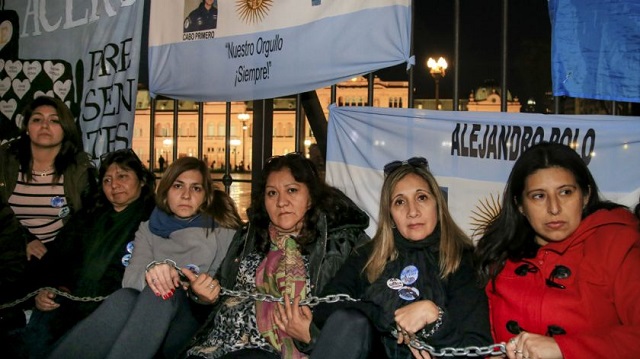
(415, 278)
(94, 249)
(300, 232)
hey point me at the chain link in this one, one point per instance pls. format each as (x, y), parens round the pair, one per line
(471, 351)
(242, 294)
(53, 290)
(310, 301)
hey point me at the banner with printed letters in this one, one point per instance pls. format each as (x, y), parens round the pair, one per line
(472, 153)
(86, 53)
(210, 50)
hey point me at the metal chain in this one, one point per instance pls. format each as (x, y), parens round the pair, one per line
(471, 351)
(310, 301)
(56, 291)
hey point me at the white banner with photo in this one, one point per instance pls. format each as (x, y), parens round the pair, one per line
(471, 153)
(210, 50)
(86, 53)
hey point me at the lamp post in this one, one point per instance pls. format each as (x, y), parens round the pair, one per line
(243, 117)
(437, 70)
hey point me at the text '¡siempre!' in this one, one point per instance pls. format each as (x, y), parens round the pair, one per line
(260, 47)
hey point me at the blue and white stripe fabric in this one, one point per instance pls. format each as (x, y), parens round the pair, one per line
(274, 48)
(471, 153)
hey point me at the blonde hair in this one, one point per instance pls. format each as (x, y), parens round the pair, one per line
(453, 241)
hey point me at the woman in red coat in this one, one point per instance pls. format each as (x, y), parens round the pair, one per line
(561, 266)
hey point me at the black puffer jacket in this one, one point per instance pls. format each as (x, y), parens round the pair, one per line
(326, 256)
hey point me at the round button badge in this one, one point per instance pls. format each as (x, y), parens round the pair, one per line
(409, 293)
(125, 259)
(394, 283)
(409, 275)
(64, 211)
(193, 268)
(57, 202)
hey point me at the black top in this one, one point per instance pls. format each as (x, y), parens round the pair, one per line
(464, 302)
(90, 260)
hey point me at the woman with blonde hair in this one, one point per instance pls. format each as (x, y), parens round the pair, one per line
(416, 278)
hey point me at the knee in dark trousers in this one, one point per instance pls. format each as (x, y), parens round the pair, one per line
(347, 334)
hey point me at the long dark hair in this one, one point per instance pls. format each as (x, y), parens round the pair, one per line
(323, 198)
(126, 159)
(510, 235)
(71, 141)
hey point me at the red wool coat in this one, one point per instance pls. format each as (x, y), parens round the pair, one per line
(599, 308)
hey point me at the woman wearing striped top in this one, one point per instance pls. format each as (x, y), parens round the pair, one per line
(45, 176)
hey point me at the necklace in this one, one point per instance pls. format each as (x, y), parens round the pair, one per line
(48, 171)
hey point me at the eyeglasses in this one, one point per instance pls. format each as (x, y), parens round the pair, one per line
(416, 162)
(289, 155)
(106, 157)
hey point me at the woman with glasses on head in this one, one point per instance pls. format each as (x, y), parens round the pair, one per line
(415, 278)
(300, 232)
(560, 264)
(188, 231)
(45, 177)
(95, 248)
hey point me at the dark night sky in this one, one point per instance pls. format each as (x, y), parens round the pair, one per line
(529, 48)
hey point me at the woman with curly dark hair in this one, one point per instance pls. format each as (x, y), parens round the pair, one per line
(300, 232)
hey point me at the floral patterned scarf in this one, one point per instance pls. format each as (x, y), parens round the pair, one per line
(282, 271)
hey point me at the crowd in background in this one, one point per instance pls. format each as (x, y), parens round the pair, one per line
(553, 275)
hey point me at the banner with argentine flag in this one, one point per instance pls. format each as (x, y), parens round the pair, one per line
(471, 153)
(210, 50)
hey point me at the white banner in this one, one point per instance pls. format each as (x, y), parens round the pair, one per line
(86, 53)
(209, 50)
(471, 153)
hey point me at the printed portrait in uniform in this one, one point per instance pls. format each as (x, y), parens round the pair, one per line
(201, 15)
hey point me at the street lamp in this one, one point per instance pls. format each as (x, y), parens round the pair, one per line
(437, 70)
(243, 117)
